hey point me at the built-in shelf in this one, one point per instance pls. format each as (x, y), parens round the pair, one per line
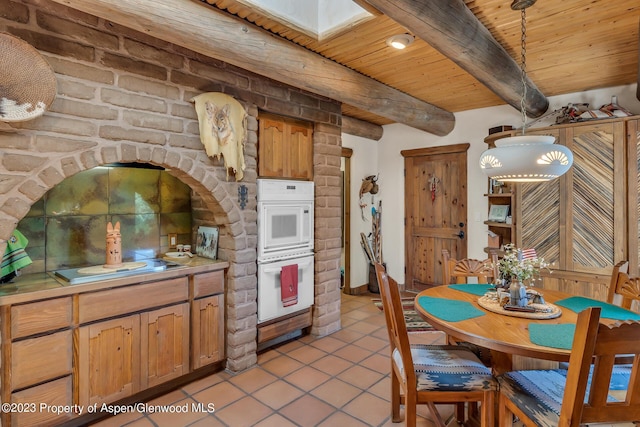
(504, 195)
(498, 224)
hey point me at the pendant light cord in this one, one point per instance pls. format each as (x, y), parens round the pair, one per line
(523, 69)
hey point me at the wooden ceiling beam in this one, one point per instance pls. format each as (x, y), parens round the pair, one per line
(451, 28)
(361, 128)
(204, 29)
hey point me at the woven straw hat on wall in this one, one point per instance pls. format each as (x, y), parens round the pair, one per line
(27, 81)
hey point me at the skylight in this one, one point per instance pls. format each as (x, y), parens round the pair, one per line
(316, 18)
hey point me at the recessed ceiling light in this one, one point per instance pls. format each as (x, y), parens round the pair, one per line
(400, 41)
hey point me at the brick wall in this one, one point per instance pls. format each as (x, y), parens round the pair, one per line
(123, 96)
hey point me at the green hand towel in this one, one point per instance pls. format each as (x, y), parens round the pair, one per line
(15, 256)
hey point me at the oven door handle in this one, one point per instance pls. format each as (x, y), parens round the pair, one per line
(279, 269)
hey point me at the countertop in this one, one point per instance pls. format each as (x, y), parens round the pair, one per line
(37, 286)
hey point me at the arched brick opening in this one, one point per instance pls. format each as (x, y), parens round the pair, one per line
(214, 201)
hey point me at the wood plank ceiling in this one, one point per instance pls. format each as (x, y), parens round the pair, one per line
(572, 46)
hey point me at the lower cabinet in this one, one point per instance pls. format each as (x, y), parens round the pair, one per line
(165, 344)
(109, 360)
(207, 331)
(36, 360)
(105, 345)
(123, 356)
(28, 403)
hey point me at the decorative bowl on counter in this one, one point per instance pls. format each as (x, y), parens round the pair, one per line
(178, 254)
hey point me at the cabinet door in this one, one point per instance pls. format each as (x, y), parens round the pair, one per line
(596, 228)
(300, 150)
(271, 147)
(633, 186)
(577, 222)
(538, 214)
(207, 331)
(285, 147)
(164, 345)
(109, 360)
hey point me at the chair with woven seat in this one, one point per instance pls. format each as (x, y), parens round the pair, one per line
(430, 374)
(581, 394)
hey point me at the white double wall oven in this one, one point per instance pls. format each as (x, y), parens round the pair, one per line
(285, 238)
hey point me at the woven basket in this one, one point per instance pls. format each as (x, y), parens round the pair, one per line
(27, 81)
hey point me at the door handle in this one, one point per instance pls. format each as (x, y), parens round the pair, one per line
(460, 234)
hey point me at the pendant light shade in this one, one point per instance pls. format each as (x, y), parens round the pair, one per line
(526, 158)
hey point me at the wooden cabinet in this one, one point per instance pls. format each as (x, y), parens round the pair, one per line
(577, 222)
(37, 343)
(586, 221)
(285, 147)
(119, 357)
(207, 331)
(207, 321)
(36, 360)
(104, 343)
(164, 344)
(122, 356)
(109, 360)
(633, 187)
(56, 393)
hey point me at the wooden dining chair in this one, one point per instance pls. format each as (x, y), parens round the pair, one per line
(624, 290)
(569, 398)
(430, 374)
(460, 270)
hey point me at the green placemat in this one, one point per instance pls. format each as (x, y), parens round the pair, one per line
(449, 310)
(472, 288)
(609, 311)
(556, 335)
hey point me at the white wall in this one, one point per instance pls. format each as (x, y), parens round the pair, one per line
(364, 162)
(471, 126)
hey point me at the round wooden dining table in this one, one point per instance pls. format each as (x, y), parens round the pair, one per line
(504, 335)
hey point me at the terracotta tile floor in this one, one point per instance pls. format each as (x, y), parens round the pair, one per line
(334, 381)
(338, 380)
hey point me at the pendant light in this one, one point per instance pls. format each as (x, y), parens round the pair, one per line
(525, 158)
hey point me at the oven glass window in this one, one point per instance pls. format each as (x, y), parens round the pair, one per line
(283, 226)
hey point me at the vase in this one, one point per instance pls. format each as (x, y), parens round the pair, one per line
(517, 294)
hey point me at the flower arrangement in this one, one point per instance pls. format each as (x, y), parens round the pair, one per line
(512, 267)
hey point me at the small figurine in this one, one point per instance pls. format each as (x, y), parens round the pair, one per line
(114, 246)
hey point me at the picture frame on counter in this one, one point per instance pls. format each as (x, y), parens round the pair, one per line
(207, 242)
(498, 213)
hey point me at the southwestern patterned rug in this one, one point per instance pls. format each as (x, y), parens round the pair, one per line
(414, 322)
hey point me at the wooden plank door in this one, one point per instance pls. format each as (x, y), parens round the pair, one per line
(435, 211)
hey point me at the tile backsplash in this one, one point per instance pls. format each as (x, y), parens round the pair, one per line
(67, 227)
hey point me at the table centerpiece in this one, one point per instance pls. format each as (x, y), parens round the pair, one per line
(517, 271)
